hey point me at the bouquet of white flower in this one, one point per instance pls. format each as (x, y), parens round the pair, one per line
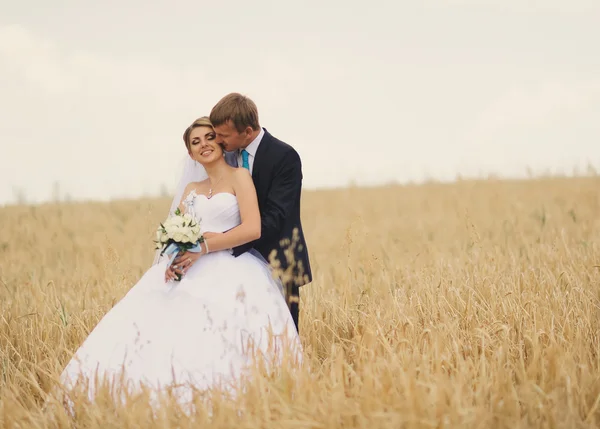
(178, 233)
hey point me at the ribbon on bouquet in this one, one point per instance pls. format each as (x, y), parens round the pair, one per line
(173, 249)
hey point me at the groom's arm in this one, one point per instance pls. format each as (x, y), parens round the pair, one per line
(281, 199)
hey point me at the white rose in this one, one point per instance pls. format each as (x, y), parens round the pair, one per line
(174, 230)
(178, 236)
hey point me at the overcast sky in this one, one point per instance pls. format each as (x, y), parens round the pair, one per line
(95, 95)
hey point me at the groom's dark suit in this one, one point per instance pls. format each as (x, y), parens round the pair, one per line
(277, 176)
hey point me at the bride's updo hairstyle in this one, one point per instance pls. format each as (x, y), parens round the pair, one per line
(200, 122)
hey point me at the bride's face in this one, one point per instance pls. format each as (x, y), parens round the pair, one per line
(203, 146)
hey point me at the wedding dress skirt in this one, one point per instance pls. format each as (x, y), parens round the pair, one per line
(202, 332)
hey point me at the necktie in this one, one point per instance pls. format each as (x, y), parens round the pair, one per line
(245, 160)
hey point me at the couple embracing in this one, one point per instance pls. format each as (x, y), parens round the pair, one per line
(206, 329)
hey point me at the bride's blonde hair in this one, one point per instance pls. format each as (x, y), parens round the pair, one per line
(204, 121)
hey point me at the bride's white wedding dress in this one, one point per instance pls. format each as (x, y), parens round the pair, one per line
(195, 331)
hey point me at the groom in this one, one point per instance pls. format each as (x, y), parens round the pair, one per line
(277, 174)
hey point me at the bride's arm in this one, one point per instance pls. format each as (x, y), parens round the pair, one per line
(249, 229)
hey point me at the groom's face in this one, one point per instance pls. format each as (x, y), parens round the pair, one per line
(230, 138)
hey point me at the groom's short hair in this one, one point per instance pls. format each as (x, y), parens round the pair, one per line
(238, 109)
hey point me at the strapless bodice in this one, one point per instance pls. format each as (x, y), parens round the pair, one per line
(220, 213)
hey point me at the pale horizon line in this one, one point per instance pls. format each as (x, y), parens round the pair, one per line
(529, 175)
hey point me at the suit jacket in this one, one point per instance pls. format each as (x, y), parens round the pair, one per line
(277, 176)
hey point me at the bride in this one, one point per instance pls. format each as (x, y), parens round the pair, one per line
(207, 329)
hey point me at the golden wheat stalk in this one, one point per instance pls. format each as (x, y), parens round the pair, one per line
(468, 305)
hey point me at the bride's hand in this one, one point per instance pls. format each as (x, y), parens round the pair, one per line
(180, 265)
(184, 261)
(171, 274)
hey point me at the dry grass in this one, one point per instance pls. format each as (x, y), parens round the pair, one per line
(467, 305)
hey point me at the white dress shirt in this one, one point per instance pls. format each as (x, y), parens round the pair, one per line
(251, 149)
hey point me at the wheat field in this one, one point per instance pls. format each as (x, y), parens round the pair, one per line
(467, 305)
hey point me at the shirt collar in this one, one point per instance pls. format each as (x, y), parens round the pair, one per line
(252, 147)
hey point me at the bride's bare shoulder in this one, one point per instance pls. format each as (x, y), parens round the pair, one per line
(241, 180)
(241, 173)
